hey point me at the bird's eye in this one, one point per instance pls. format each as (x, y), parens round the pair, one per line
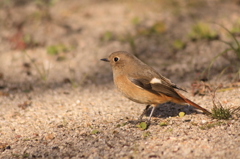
(116, 59)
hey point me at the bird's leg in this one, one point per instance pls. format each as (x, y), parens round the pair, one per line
(149, 118)
(143, 113)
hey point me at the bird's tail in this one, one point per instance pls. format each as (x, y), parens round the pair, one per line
(194, 104)
(197, 106)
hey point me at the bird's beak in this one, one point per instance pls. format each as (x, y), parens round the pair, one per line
(105, 59)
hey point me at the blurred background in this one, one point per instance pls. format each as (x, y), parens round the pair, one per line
(58, 43)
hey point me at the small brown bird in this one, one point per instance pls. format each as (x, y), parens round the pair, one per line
(142, 84)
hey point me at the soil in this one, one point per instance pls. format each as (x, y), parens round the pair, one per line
(58, 100)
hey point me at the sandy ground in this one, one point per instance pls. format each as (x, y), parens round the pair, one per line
(77, 113)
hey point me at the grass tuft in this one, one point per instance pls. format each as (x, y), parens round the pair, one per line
(219, 112)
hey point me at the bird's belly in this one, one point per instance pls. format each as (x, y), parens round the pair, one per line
(138, 94)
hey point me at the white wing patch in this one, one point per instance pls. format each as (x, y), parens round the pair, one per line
(156, 80)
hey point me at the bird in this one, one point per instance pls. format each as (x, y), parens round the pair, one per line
(142, 84)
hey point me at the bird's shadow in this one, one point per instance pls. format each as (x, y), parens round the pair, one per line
(168, 109)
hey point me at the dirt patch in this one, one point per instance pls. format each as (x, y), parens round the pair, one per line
(57, 98)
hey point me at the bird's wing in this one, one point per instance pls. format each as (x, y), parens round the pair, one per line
(155, 85)
(150, 74)
(168, 82)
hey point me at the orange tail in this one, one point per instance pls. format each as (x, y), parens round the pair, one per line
(193, 104)
(197, 106)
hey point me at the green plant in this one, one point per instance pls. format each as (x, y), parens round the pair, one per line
(15, 155)
(25, 155)
(170, 130)
(218, 111)
(210, 125)
(233, 46)
(95, 131)
(163, 124)
(135, 20)
(56, 49)
(212, 62)
(146, 134)
(202, 31)
(178, 44)
(120, 125)
(236, 28)
(142, 125)
(158, 27)
(29, 41)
